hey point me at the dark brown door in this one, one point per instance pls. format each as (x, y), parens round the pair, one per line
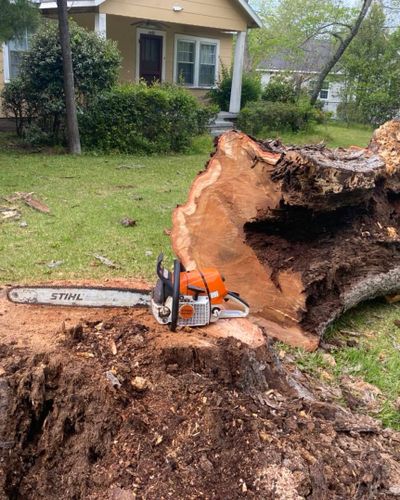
(150, 64)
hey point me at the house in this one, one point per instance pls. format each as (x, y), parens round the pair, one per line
(185, 41)
(303, 68)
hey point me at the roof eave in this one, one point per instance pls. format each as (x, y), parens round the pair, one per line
(256, 21)
(71, 3)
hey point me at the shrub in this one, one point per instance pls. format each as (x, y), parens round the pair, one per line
(277, 116)
(279, 90)
(137, 118)
(38, 94)
(221, 95)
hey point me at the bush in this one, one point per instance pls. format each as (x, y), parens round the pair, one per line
(348, 112)
(279, 90)
(278, 116)
(221, 95)
(38, 94)
(137, 118)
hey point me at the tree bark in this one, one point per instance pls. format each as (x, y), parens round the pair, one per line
(74, 143)
(344, 43)
(303, 234)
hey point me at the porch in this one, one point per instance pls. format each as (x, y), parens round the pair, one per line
(190, 55)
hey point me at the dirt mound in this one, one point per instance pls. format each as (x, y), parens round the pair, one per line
(114, 413)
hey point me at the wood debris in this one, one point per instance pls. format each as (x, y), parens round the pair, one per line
(104, 260)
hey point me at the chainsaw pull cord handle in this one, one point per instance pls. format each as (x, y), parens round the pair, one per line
(175, 295)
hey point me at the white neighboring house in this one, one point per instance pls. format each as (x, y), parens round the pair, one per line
(304, 69)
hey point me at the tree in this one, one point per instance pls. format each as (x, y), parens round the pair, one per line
(344, 42)
(290, 24)
(371, 67)
(16, 17)
(74, 142)
(37, 97)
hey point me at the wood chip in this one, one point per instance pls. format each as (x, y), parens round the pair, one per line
(36, 204)
(113, 347)
(105, 261)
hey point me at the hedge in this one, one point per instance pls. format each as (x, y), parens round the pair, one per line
(136, 118)
(277, 116)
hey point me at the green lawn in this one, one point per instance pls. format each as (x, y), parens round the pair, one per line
(368, 350)
(88, 196)
(334, 135)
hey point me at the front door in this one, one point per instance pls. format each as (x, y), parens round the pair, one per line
(150, 63)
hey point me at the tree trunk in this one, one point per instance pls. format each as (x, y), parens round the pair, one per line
(340, 50)
(74, 143)
(303, 234)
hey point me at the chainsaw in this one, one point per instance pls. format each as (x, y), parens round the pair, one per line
(180, 298)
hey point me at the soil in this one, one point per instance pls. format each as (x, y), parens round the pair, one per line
(108, 405)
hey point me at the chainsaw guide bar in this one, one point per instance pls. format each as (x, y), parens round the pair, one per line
(80, 296)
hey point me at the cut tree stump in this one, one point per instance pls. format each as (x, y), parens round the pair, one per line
(302, 233)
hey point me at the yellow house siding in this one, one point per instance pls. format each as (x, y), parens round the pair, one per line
(85, 19)
(121, 31)
(219, 14)
(124, 31)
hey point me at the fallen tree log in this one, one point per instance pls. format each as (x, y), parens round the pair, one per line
(303, 233)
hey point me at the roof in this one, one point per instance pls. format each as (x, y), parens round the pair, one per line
(312, 58)
(244, 5)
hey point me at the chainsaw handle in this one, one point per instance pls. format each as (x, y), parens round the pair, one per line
(234, 313)
(175, 295)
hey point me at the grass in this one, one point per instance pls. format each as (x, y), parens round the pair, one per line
(374, 359)
(333, 134)
(88, 196)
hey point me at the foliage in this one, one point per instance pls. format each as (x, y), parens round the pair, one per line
(37, 96)
(349, 112)
(288, 24)
(372, 73)
(138, 118)
(251, 89)
(261, 116)
(279, 89)
(16, 17)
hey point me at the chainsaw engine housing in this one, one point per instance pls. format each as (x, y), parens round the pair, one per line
(192, 298)
(190, 312)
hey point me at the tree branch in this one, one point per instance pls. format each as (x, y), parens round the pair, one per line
(340, 50)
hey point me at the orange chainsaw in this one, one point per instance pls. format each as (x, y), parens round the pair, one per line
(180, 298)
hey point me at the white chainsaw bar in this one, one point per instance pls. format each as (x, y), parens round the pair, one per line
(80, 296)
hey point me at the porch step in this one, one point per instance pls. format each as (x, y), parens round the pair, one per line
(223, 122)
(226, 115)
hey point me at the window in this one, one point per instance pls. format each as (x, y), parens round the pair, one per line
(324, 93)
(196, 61)
(13, 53)
(185, 61)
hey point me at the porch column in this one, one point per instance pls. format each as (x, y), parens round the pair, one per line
(236, 90)
(100, 24)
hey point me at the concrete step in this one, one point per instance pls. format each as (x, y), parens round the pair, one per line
(218, 131)
(225, 115)
(218, 121)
